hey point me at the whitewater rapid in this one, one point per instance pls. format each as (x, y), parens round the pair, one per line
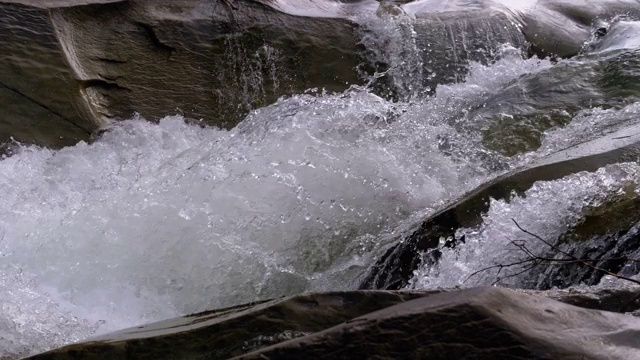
(158, 220)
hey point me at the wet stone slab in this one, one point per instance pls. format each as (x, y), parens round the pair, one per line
(387, 324)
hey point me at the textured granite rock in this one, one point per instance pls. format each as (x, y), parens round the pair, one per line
(38, 93)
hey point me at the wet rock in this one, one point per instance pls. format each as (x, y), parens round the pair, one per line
(452, 34)
(205, 60)
(88, 62)
(440, 39)
(320, 320)
(561, 28)
(396, 266)
(551, 27)
(38, 94)
(514, 120)
(620, 300)
(485, 323)
(233, 331)
(620, 35)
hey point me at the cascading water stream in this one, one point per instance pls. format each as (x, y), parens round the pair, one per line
(158, 220)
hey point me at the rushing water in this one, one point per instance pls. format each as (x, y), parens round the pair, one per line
(158, 220)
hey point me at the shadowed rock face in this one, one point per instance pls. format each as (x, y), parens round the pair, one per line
(205, 60)
(479, 323)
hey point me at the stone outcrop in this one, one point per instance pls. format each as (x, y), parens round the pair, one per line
(482, 323)
(395, 267)
(71, 66)
(75, 65)
(485, 323)
(38, 93)
(233, 331)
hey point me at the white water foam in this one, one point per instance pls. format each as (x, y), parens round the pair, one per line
(154, 221)
(548, 209)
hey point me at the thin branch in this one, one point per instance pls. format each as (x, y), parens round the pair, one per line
(573, 257)
(535, 263)
(497, 266)
(533, 260)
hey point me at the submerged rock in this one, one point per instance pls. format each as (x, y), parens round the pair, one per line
(396, 266)
(483, 323)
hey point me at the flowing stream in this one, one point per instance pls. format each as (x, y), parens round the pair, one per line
(159, 220)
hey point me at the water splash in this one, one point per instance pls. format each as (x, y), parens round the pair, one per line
(153, 221)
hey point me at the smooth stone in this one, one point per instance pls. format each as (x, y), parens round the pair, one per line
(224, 333)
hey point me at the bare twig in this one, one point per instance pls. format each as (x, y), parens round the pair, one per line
(533, 260)
(586, 263)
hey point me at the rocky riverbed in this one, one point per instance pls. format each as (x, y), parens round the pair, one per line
(350, 160)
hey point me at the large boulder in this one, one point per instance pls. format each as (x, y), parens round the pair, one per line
(91, 61)
(77, 64)
(483, 323)
(38, 93)
(229, 332)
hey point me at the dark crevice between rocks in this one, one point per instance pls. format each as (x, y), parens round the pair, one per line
(102, 84)
(110, 79)
(109, 61)
(540, 53)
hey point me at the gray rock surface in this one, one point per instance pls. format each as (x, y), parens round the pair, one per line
(233, 331)
(473, 323)
(88, 62)
(483, 323)
(38, 94)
